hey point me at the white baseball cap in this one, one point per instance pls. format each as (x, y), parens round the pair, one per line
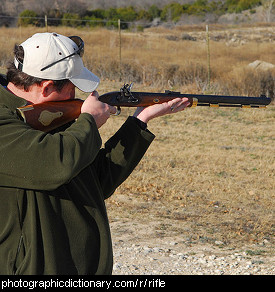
(55, 57)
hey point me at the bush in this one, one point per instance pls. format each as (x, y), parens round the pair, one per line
(154, 12)
(250, 82)
(93, 21)
(28, 17)
(172, 12)
(240, 5)
(71, 19)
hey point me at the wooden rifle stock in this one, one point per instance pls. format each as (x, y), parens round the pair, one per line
(51, 115)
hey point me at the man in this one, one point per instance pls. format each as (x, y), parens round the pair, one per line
(53, 218)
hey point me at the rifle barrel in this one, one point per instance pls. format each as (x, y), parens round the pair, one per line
(135, 99)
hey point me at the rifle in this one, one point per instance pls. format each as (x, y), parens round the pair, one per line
(50, 115)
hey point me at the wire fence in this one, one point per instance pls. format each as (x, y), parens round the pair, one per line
(11, 21)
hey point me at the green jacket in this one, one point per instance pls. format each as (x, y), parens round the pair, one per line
(53, 218)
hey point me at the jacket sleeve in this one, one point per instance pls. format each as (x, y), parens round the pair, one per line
(33, 159)
(121, 154)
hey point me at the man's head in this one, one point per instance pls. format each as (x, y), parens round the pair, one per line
(50, 56)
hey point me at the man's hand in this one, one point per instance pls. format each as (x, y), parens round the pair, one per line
(145, 114)
(99, 110)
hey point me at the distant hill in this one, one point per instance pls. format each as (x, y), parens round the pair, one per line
(149, 12)
(95, 4)
(13, 7)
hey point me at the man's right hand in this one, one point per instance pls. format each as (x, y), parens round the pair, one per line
(99, 110)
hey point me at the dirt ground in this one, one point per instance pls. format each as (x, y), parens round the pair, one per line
(159, 242)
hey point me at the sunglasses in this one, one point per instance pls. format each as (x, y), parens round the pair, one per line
(80, 51)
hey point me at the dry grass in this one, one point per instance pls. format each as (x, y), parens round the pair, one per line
(209, 174)
(153, 59)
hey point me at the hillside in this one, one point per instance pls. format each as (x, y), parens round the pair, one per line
(145, 13)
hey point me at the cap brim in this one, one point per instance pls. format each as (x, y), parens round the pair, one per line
(86, 81)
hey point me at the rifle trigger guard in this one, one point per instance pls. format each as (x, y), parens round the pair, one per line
(118, 111)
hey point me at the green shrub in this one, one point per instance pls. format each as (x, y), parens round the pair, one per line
(71, 19)
(28, 17)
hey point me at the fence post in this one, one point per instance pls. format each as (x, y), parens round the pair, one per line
(208, 58)
(46, 23)
(119, 35)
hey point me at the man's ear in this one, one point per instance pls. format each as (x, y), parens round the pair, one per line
(47, 87)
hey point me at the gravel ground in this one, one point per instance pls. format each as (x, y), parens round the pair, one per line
(176, 258)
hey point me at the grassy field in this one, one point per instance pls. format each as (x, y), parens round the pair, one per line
(209, 174)
(164, 59)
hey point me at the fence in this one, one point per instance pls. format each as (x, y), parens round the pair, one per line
(46, 21)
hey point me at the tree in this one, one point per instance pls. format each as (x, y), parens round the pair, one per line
(240, 5)
(71, 19)
(267, 9)
(172, 12)
(154, 12)
(127, 14)
(27, 17)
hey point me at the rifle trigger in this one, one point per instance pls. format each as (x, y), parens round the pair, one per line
(118, 111)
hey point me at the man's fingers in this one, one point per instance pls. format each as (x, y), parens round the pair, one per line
(113, 110)
(178, 104)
